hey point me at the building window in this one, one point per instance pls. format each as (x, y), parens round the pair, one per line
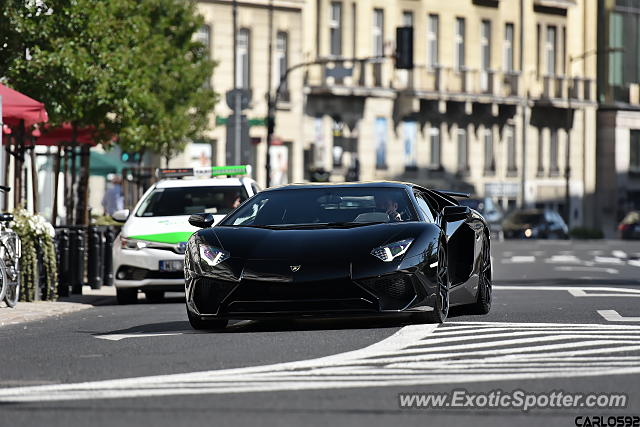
(553, 152)
(434, 142)
(381, 142)
(335, 29)
(550, 50)
(407, 18)
(281, 63)
(432, 41)
(563, 53)
(203, 35)
(243, 58)
(511, 149)
(634, 150)
(378, 32)
(463, 151)
(508, 48)
(459, 44)
(485, 52)
(540, 152)
(489, 158)
(616, 40)
(354, 26)
(538, 49)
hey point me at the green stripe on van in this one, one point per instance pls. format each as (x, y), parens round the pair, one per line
(171, 238)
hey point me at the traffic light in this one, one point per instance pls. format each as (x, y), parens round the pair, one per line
(130, 157)
(404, 48)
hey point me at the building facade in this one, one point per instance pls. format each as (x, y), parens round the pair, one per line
(252, 74)
(498, 103)
(502, 101)
(618, 185)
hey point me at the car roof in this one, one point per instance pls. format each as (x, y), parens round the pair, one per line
(370, 184)
(202, 182)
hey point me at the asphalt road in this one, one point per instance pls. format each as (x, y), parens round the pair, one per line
(565, 317)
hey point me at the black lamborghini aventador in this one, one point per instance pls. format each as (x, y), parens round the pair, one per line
(339, 250)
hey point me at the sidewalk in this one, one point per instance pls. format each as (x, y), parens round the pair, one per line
(30, 311)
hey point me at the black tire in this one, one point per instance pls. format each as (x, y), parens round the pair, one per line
(12, 295)
(126, 295)
(154, 296)
(483, 299)
(441, 306)
(208, 324)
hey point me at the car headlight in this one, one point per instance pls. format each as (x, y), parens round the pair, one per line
(212, 256)
(388, 253)
(133, 244)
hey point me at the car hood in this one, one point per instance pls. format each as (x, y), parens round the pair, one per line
(324, 243)
(161, 229)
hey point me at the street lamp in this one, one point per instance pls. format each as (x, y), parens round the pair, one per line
(567, 168)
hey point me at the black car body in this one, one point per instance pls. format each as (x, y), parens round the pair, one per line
(629, 227)
(534, 224)
(330, 250)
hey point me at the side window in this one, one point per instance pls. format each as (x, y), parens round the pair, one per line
(424, 207)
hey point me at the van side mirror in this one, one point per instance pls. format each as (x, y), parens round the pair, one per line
(456, 213)
(201, 220)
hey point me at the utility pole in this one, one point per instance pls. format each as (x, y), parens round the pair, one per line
(270, 107)
(237, 130)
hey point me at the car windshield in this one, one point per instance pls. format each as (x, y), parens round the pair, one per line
(526, 218)
(324, 206)
(189, 200)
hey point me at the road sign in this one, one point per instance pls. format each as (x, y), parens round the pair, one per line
(245, 98)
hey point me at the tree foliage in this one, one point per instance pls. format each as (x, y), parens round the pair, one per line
(129, 68)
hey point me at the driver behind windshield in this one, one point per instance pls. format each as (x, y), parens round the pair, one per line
(386, 203)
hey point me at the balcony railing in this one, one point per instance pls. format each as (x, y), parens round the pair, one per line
(442, 80)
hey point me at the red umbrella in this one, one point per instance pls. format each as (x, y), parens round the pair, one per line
(64, 133)
(17, 106)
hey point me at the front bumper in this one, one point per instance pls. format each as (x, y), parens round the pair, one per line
(140, 269)
(401, 290)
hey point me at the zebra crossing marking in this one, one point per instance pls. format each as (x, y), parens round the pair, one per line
(459, 352)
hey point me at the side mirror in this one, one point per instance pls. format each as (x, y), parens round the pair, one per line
(121, 215)
(456, 213)
(201, 220)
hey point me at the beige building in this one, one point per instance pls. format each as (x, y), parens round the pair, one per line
(502, 92)
(486, 109)
(252, 74)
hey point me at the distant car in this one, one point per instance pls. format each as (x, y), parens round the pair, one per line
(490, 210)
(629, 227)
(378, 248)
(534, 224)
(149, 252)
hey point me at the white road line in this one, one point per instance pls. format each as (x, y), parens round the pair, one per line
(579, 291)
(614, 316)
(519, 259)
(619, 254)
(634, 262)
(580, 268)
(118, 337)
(517, 351)
(607, 260)
(561, 259)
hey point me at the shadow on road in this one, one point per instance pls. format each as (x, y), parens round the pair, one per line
(270, 325)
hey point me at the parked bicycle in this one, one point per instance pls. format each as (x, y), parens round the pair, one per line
(9, 259)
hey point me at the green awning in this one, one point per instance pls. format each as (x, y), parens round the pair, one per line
(102, 164)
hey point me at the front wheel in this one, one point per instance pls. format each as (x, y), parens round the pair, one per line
(208, 324)
(3, 278)
(441, 305)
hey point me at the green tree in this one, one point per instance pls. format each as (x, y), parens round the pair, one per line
(127, 68)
